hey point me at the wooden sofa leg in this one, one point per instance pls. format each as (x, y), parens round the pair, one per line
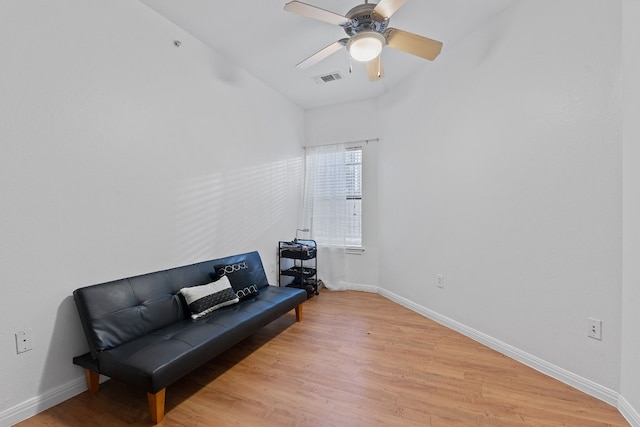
(156, 405)
(93, 380)
(299, 313)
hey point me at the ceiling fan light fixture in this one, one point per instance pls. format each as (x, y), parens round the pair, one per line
(366, 45)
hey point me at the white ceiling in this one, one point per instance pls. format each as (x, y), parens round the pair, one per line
(268, 42)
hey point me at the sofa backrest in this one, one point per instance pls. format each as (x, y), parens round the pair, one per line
(119, 311)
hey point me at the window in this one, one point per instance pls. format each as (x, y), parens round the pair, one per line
(354, 196)
(333, 195)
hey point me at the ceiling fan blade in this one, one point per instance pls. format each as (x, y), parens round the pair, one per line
(374, 69)
(316, 13)
(386, 8)
(412, 43)
(322, 54)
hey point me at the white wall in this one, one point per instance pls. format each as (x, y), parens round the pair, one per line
(347, 122)
(630, 373)
(351, 122)
(499, 167)
(502, 171)
(120, 155)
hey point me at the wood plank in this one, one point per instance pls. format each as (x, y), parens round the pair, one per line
(358, 359)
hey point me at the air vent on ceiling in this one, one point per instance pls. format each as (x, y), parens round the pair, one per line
(327, 78)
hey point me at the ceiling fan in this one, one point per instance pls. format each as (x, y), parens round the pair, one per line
(367, 26)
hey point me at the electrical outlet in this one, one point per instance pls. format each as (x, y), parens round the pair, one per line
(440, 281)
(23, 341)
(595, 328)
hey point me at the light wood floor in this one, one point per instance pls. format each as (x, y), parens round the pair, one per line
(356, 359)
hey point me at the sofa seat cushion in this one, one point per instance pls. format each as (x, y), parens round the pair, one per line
(157, 359)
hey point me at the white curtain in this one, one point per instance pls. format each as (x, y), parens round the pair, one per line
(325, 210)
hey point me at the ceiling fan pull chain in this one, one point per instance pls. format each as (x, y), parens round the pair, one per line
(350, 64)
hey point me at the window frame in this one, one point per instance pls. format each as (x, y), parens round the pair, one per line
(352, 245)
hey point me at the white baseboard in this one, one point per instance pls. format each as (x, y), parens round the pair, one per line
(42, 402)
(361, 288)
(35, 405)
(585, 385)
(629, 412)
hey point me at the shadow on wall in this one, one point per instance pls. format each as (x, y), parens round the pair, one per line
(219, 213)
(67, 341)
(225, 212)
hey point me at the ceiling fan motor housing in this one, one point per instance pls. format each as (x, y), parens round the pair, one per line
(363, 18)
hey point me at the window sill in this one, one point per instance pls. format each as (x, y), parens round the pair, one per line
(354, 250)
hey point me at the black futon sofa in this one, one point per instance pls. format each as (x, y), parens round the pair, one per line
(140, 329)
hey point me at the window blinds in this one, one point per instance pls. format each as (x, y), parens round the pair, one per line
(333, 194)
